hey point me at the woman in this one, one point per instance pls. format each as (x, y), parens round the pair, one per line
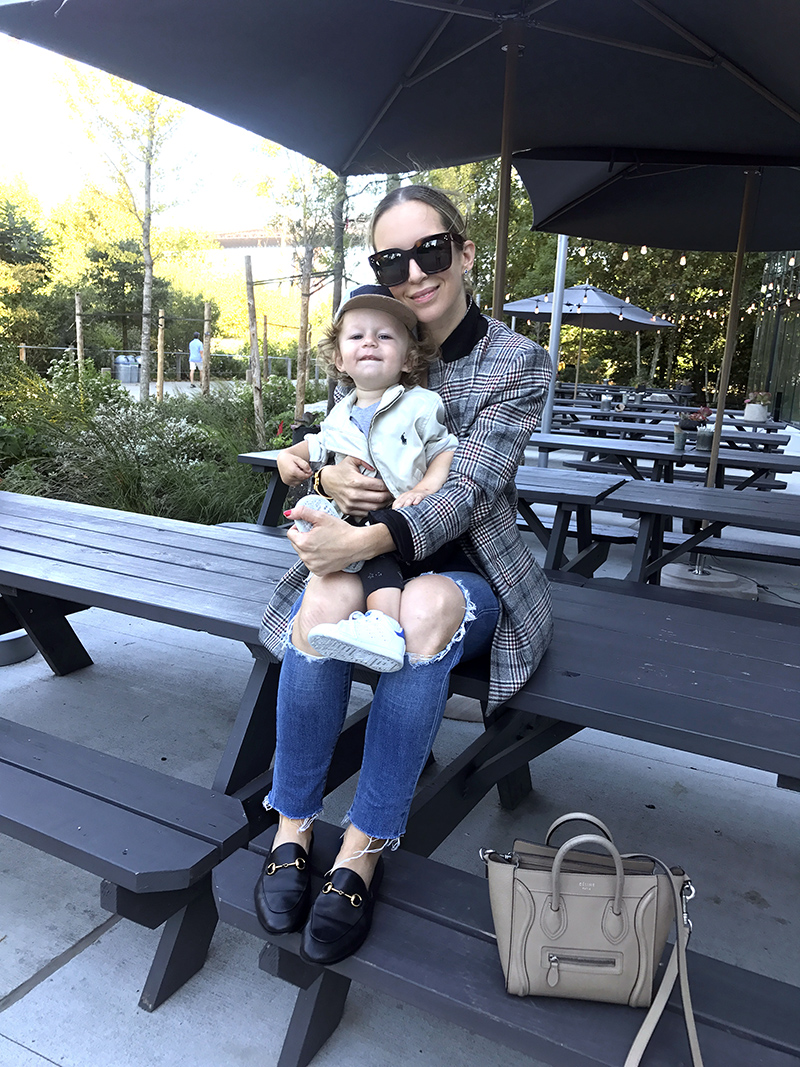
(493, 597)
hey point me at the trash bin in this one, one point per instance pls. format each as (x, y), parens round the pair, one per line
(126, 370)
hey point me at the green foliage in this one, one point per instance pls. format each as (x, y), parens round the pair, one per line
(22, 241)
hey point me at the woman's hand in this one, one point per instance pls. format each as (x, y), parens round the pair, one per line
(293, 469)
(354, 492)
(332, 544)
(328, 546)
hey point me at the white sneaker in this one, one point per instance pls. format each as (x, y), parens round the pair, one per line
(373, 640)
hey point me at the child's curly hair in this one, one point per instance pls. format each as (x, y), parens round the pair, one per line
(421, 352)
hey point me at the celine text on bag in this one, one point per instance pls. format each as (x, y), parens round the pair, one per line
(591, 926)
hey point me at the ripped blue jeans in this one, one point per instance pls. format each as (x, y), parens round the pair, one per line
(405, 716)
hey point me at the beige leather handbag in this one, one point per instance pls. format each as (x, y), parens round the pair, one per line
(591, 925)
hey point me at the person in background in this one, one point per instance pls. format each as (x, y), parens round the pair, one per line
(195, 358)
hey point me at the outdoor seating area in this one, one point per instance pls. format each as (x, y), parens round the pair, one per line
(595, 584)
(216, 579)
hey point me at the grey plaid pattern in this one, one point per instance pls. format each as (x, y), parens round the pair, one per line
(493, 398)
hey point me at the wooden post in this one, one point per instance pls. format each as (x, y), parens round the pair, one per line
(160, 368)
(255, 363)
(266, 369)
(206, 373)
(79, 331)
(22, 357)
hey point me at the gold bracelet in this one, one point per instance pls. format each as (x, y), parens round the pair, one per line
(318, 486)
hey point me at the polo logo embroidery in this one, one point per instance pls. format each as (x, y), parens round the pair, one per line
(403, 438)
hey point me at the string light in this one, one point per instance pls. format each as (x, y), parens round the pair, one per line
(683, 261)
(643, 250)
(582, 250)
(721, 292)
(625, 255)
(791, 261)
(672, 296)
(627, 300)
(620, 316)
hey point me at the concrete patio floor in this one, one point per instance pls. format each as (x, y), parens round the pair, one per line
(70, 974)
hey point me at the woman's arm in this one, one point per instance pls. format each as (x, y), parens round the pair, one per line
(354, 492)
(490, 446)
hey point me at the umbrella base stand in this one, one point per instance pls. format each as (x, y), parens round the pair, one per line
(716, 582)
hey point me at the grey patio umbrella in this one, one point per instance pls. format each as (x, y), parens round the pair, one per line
(387, 86)
(591, 308)
(586, 305)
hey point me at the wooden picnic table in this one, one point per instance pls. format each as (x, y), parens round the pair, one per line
(734, 436)
(731, 421)
(655, 502)
(764, 466)
(612, 665)
(572, 492)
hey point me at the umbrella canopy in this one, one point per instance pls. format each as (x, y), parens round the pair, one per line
(586, 305)
(388, 86)
(667, 199)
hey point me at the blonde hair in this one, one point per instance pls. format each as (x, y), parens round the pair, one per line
(421, 353)
(452, 219)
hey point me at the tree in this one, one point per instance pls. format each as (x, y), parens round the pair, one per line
(132, 126)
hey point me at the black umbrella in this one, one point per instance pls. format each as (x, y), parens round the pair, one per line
(388, 86)
(666, 199)
(639, 214)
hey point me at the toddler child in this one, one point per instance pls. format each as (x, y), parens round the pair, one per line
(395, 426)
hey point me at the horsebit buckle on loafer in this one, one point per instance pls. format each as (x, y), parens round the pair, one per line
(299, 863)
(354, 898)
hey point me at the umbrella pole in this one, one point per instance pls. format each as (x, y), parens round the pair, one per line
(555, 335)
(578, 364)
(752, 178)
(512, 37)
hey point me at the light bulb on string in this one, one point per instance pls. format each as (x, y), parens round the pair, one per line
(643, 250)
(620, 316)
(625, 255)
(672, 296)
(582, 250)
(721, 292)
(791, 261)
(683, 261)
(627, 300)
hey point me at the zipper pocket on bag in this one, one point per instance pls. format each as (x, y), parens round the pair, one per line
(574, 962)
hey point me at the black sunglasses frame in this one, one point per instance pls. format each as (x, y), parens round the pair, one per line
(403, 256)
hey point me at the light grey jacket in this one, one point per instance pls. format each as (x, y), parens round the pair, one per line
(406, 433)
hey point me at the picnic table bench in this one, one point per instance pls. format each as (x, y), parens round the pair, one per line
(672, 670)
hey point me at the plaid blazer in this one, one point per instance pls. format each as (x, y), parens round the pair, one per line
(492, 398)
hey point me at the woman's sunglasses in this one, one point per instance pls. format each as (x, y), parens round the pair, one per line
(432, 255)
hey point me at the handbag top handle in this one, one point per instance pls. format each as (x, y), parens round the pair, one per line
(576, 842)
(578, 816)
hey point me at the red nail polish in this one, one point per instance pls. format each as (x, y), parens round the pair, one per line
(287, 513)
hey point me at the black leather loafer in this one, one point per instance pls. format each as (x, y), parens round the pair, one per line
(341, 916)
(283, 891)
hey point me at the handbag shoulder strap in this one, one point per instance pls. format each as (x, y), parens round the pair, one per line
(675, 969)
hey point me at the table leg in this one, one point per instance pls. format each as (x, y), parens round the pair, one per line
(45, 620)
(555, 558)
(271, 513)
